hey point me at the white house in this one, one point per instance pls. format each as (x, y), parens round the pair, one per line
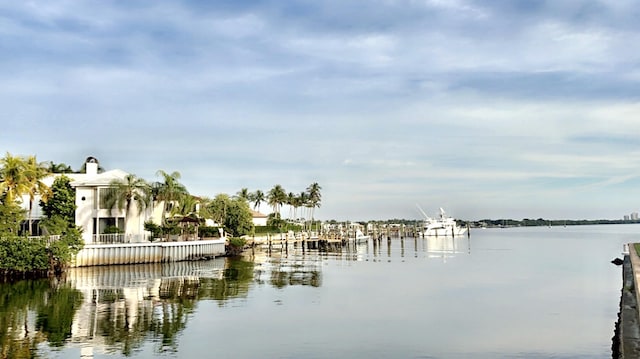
(92, 215)
(259, 219)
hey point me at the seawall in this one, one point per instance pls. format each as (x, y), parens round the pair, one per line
(157, 252)
(626, 342)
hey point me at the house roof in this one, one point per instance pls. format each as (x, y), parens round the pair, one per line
(256, 214)
(88, 180)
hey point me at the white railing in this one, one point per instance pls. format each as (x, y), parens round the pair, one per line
(119, 238)
(50, 239)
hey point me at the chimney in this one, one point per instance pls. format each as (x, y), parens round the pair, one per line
(91, 166)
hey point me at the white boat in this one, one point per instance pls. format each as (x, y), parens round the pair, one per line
(361, 237)
(442, 227)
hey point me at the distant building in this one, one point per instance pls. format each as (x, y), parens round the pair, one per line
(259, 219)
(626, 217)
(634, 216)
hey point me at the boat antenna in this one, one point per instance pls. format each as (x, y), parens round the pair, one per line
(421, 211)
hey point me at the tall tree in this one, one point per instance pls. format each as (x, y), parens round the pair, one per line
(258, 198)
(11, 215)
(170, 191)
(301, 201)
(35, 172)
(186, 211)
(314, 197)
(217, 208)
(187, 206)
(13, 177)
(60, 209)
(276, 197)
(231, 213)
(244, 194)
(62, 201)
(238, 220)
(291, 202)
(127, 192)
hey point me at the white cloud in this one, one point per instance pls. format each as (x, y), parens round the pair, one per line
(486, 110)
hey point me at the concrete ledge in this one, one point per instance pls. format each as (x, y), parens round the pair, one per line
(629, 322)
(635, 267)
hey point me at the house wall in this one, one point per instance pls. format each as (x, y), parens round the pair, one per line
(85, 203)
(259, 221)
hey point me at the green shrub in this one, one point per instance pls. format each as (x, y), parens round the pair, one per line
(209, 232)
(235, 246)
(111, 230)
(20, 254)
(35, 256)
(156, 230)
(237, 242)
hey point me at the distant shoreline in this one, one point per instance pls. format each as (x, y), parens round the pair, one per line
(501, 223)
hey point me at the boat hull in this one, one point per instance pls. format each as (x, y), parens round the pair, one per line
(362, 239)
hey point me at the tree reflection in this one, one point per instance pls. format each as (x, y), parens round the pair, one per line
(115, 309)
(235, 283)
(34, 311)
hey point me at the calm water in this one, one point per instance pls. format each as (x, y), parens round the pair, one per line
(504, 293)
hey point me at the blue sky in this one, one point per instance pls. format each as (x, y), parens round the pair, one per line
(490, 109)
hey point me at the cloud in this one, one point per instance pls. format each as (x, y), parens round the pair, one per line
(487, 109)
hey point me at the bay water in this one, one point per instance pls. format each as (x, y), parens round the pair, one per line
(536, 292)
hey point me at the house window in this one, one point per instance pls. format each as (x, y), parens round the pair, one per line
(104, 194)
(108, 223)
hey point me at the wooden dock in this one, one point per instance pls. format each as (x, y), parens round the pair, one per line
(285, 240)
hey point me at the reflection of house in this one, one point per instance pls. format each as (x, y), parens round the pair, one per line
(122, 304)
(259, 219)
(92, 215)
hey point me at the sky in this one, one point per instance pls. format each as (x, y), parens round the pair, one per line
(488, 109)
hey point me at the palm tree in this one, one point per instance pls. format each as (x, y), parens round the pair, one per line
(301, 201)
(58, 167)
(186, 212)
(127, 192)
(244, 194)
(276, 197)
(291, 201)
(314, 197)
(13, 179)
(169, 191)
(186, 208)
(35, 172)
(258, 198)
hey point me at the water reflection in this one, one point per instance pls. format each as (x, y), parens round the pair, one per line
(389, 248)
(124, 305)
(116, 310)
(374, 250)
(446, 247)
(290, 268)
(33, 312)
